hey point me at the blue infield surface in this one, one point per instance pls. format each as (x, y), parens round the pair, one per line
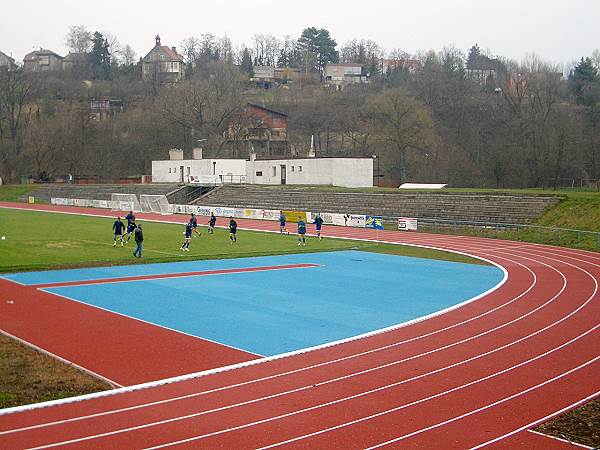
(272, 312)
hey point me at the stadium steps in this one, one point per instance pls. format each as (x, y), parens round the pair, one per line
(425, 205)
(44, 192)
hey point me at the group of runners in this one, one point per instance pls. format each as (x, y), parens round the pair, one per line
(123, 234)
(301, 228)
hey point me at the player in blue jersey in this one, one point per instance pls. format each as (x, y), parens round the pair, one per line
(301, 231)
(318, 223)
(232, 230)
(282, 227)
(118, 228)
(185, 247)
(211, 223)
(194, 222)
(130, 225)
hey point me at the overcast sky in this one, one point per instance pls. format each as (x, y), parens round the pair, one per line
(559, 31)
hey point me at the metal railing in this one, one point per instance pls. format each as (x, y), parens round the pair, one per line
(564, 237)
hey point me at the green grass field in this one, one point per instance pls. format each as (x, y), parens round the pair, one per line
(39, 240)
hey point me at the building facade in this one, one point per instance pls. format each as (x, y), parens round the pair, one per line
(162, 64)
(42, 61)
(7, 63)
(345, 172)
(340, 75)
(260, 130)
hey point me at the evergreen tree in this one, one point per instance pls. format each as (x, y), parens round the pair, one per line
(246, 64)
(317, 48)
(100, 57)
(584, 82)
(474, 54)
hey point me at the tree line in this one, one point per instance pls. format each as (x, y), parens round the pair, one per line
(527, 126)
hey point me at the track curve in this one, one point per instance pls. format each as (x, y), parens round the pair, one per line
(477, 375)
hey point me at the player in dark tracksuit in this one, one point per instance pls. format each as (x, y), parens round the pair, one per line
(118, 228)
(139, 239)
(211, 223)
(301, 232)
(188, 237)
(232, 230)
(318, 223)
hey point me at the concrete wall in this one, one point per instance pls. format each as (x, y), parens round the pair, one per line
(347, 172)
(170, 171)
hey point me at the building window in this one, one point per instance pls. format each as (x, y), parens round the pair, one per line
(259, 174)
(274, 171)
(292, 168)
(169, 170)
(299, 168)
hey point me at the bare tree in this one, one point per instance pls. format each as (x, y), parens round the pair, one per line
(78, 39)
(402, 124)
(16, 92)
(128, 55)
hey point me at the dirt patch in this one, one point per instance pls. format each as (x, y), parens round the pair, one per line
(582, 425)
(28, 376)
(60, 245)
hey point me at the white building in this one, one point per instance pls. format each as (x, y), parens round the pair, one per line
(345, 172)
(179, 170)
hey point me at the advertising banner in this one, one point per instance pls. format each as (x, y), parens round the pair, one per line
(293, 216)
(375, 222)
(343, 220)
(407, 223)
(222, 211)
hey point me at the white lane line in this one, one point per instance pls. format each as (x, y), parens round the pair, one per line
(590, 298)
(179, 378)
(195, 438)
(547, 436)
(356, 355)
(352, 374)
(483, 408)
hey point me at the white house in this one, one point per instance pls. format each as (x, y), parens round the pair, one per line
(346, 172)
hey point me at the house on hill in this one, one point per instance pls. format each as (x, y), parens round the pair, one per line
(258, 128)
(162, 64)
(482, 69)
(42, 60)
(340, 75)
(6, 62)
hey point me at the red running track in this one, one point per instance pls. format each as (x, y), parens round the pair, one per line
(479, 375)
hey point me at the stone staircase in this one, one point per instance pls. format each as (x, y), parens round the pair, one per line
(44, 192)
(516, 209)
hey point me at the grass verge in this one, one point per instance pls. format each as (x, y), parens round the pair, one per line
(28, 376)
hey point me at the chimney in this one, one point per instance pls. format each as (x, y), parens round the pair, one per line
(197, 153)
(157, 38)
(174, 49)
(176, 154)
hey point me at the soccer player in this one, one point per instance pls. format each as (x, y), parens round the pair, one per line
(301, 232)
(282, 227)
(130, 225)
(232, 230)
(185, 247)
(211, 223)
(118, 228)
(318, 222)
(139, 238)
(194, 223)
